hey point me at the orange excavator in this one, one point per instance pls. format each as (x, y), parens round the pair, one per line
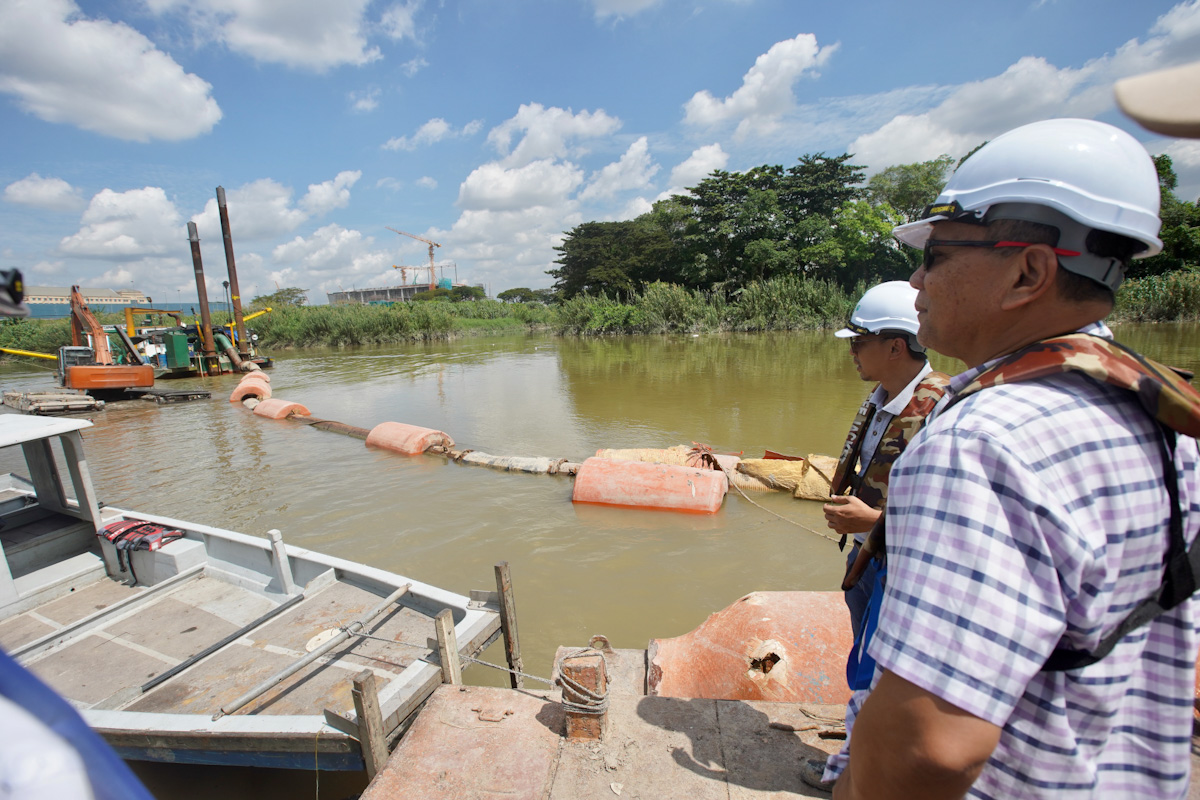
(89, 364)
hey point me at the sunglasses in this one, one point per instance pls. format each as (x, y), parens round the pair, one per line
(857, 342)
(927, 263)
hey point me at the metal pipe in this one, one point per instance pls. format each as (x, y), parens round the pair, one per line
(350, 630)
(206, 337)
(243, 342)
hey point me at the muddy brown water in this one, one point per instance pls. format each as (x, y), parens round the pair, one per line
(577, 570)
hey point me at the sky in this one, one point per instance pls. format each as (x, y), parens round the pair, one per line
(493, 127)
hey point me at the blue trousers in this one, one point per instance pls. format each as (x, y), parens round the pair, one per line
(858, 597)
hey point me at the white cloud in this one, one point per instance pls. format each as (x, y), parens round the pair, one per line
(695, 168)
(1185, 157)
(365, 99)
(540, 183)
(333, 256)
(123, 225)
(426, 182)
(51, 194)
(547, 133)
(433, 131)
(510, 247)
(324, 197)
(632, 171)
(304, 34)
(258, 210)
(1031, 89)
(399, 22)
(765, 95)
(413, 66)
(98, 75)
(389, 183)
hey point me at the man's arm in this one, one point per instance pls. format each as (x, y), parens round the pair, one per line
(910, 743)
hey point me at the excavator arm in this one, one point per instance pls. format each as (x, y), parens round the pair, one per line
(84, 324)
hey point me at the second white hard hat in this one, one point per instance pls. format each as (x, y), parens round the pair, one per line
(889, 306)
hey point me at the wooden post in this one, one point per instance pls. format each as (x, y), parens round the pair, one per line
(589, 673)
(448, 647)
(508, 623)
(370, 722)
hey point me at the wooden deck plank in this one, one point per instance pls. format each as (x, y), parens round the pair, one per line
(172, 627)
(21, 629)
(94, 668)
(86, 601)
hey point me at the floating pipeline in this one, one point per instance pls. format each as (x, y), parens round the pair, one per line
(692, 480)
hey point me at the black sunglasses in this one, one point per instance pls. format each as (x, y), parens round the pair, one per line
(931, 243)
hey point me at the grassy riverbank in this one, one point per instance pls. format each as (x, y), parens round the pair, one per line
(780, 304)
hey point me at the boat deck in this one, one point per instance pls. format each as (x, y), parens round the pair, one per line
(104, 666)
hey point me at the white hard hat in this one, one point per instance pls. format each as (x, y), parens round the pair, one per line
(1084, 172)
(889, 306)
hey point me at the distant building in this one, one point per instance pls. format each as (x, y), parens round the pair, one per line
(102, 298)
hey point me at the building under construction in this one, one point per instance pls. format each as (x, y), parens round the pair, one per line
(385, 294)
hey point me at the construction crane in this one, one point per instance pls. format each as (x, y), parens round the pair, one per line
(432, 281)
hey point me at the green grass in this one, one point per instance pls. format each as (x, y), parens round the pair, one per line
(1170, 297)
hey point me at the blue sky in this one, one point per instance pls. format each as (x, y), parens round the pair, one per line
(493, 126)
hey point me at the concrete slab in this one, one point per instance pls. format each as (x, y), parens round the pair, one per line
(475, 742)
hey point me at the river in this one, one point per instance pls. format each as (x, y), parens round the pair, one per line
(577, 570)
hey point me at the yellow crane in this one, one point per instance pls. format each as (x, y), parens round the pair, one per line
(432, 282)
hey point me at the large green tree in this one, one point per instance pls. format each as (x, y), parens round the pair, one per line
(291, 296)
(908, 188)
(612, 257)
(1180, 231)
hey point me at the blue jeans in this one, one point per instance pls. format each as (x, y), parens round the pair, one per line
(858, 596)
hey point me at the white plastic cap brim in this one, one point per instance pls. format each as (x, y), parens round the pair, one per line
(1166, 101)
(914, 234)
(846, 333)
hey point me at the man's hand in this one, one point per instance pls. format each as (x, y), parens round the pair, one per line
(940, 754)
(847, 514)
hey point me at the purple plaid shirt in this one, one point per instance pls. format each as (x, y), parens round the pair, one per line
(1024, 516)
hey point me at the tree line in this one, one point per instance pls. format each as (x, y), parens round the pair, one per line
(817, 220)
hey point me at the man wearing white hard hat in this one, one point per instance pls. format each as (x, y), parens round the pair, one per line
(1037, 634)
(883, 343)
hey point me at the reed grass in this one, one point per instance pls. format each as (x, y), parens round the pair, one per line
(1169, 297)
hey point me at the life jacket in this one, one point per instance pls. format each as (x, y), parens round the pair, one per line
(1170, 401)
(871, 485)
(136, 534)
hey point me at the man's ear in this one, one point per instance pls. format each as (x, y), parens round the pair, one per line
(1031, 274)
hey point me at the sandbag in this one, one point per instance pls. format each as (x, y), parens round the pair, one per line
(806, 480)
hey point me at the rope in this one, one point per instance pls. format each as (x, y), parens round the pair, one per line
(589, 702)
(772, 513)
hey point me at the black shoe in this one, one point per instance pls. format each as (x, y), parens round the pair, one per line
(811, 771)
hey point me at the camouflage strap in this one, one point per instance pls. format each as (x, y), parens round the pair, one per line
(1170, 401)
(1166, 396)
(843, 474)
(873, 487)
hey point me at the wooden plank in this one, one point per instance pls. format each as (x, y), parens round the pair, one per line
(79, 627)
(508, 623)
(448, 648)
(370, 722)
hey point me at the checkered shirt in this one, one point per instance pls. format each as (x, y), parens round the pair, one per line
(1027, 515)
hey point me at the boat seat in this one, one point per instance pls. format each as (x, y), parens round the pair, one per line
(154, 566)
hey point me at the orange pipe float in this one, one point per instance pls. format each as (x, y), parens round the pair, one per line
(274, 408)
(251, 388)
(407, 439)
(645, 485)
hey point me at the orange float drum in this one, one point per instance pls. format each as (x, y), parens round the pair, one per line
(644, 485)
